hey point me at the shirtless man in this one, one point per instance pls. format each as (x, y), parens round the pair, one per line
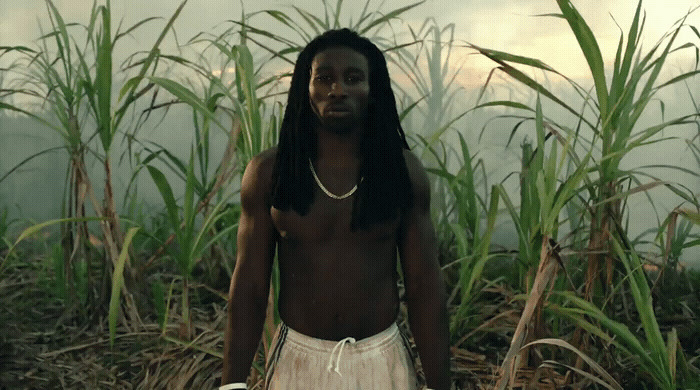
(340, 198)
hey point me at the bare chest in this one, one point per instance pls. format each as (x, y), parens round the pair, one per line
(329, 220)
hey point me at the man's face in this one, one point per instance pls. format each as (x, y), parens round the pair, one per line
(339, 88)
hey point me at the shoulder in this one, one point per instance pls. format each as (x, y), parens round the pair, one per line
(257, 177)
(419, 179)
(263, 162)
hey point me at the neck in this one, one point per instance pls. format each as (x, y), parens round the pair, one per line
(338, 149)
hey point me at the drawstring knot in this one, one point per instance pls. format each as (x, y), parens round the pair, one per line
(339, 347)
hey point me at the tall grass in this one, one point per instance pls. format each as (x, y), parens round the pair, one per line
(76, 82)
(542, 180)
(658, 358)
(192, 240)
(571, 207)
(5, 224)
(611, 113)
(616, 109)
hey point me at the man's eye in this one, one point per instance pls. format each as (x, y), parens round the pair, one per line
(323, 78)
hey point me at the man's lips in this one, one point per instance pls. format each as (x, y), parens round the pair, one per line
(337, 108)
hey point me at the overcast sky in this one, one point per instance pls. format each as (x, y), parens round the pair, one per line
(503, 25)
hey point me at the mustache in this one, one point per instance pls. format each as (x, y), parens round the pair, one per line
(338, 107)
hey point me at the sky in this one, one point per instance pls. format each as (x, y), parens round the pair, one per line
(503, 25)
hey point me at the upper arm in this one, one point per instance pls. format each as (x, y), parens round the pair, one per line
(256, 231)
(417, 243)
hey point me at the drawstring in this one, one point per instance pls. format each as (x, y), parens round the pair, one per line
(339, 347)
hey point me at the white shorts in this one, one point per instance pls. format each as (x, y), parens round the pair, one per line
(379, 362)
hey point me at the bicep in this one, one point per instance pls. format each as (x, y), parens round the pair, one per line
(417, 242)
(256, 242)
(256, 231)
(418, 251)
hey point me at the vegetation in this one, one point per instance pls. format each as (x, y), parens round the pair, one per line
(577, 302)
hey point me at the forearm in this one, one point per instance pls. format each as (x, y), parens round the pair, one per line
(428, 319)
(246, 315)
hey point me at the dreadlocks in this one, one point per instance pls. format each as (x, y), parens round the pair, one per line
(386, 188)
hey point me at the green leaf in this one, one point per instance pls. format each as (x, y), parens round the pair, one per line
(103, 81)
(591, 51)
(470, 211)
(609, 380)
(623, 66)
(129, 85)
(23, 49)
(87, 81)
(188, 217)
(505, 103)
(523, 240)
(134, 27)
(672, 353)
(691, 216)
(28, 159)
(643, 302)
(679, 78)
(166, 193)
(152, 55)
(528, 81)
(117, 283)
(390, 15)
(624, 338)
(158, 293)
(187, 96)
(313, 21)
(501, 57)
(62, 37)
(62, 132)
(35, 229)
(485, 242)
(461, 238)
(408, 109)
(199, 244)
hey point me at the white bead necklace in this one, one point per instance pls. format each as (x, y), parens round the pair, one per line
(325, 190)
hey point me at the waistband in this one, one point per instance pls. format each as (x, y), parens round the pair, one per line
(384, 338)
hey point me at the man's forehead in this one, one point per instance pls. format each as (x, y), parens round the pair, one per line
(343, 57)
(329, 68)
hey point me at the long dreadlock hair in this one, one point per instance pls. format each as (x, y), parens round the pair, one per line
(386, 188)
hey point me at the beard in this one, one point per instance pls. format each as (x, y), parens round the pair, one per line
(344, 125)
(340, 126)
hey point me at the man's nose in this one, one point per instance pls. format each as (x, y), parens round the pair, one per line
(337, 90)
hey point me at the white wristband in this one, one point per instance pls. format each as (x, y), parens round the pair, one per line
(234, 386)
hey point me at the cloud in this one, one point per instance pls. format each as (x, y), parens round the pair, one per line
(17, 24)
